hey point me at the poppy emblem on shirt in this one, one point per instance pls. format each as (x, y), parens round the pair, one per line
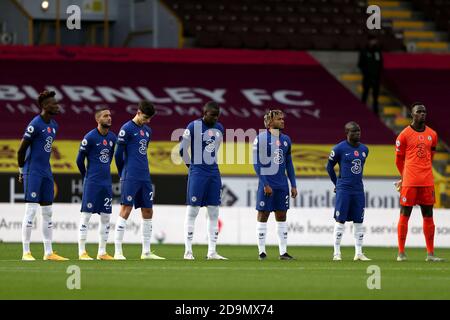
(278, 143)
(49, 130)
(142, 132)
(356, 153)
(210, 133)
(421, 138)
(105, 142)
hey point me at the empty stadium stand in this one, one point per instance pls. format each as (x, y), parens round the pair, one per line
(436, 10)
(269, 24)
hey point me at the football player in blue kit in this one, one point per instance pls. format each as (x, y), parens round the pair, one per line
(97, 147)
(272, 160)
(351, 156)
(203, 137)
(36, 175)
(136, 185)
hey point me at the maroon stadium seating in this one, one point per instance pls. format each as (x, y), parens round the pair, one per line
(323, 24)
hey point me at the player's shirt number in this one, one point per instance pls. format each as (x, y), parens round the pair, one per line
(356, 168)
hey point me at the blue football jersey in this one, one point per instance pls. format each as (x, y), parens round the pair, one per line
(204, 143)
(272, 159)
(351, 162)
(41, 135)
(135, 139)
(99, 150)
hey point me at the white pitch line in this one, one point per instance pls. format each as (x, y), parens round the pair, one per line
(191, 267)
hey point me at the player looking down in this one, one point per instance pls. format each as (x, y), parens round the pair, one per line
(97, 147)
(203, 137)
(272, 159)
(351, 156)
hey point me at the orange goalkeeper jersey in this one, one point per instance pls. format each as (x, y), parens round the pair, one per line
(417, 148)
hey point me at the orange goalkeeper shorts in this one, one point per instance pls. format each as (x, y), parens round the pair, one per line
(410, 196)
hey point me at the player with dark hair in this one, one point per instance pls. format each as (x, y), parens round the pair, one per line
(203, 138)
(98, 147)
(351, 156)
(415, 148)
(36, 174)
(136, 185)
(272, 160)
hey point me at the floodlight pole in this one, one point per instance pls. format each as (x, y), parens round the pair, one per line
(106, 26)
(58, 27)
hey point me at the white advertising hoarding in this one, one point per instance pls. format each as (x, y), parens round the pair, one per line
(312, 193)
(237, 226)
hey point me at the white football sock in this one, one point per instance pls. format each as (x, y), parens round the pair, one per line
(103, 233)
(121, 225)
(146, 235)
(339, 229)
(47, 228)
(358, 231)
(261, 231)
(189, 223)
(83, 231)
(282, 230)
(27, 225)
(212, 226)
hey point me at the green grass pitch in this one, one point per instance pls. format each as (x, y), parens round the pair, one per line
(312, 276)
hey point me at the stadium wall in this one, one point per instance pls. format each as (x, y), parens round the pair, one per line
(237, 226)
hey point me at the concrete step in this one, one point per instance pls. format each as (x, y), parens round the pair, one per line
(402, 121)
(441, 156)
(432, 45)
(392, 110)
(384, 4)
(397, 14)
(383, 99)
(409, 24)
(420, 35)
(351, 77)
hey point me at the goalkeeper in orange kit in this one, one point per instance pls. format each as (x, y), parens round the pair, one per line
(415, 147)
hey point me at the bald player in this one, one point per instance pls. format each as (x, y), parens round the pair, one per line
(351, 156)
(415, 148)
(202, 138)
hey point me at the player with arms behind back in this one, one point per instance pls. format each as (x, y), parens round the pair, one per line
(136, 185)
(36, 174)
(415, 148)
(351, 156)
(203, 137)
(98, 147)
(271, 160)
